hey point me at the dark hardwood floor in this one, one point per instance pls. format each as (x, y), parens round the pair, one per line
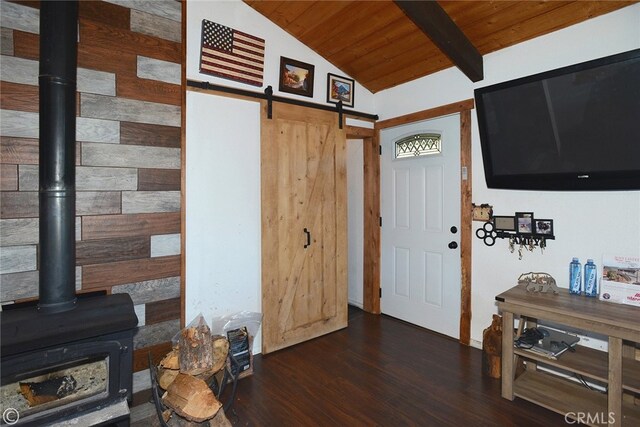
(378, 371)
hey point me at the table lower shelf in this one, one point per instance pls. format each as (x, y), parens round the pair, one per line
(570, 399)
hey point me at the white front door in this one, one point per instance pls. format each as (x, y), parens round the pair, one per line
(420, 197)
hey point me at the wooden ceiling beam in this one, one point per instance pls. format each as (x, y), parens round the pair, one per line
(440, 28)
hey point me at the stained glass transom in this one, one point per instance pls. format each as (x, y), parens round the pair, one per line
(422, 144)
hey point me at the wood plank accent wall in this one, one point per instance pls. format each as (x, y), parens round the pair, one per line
(128, 155)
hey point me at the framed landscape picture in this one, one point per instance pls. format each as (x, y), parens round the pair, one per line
(340, 89)
(296, 77)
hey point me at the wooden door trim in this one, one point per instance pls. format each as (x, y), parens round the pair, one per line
(372, 187)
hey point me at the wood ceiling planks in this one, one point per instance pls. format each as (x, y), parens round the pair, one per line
(375, 43)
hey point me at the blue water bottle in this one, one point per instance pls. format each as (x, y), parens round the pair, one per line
(590, 279)
(575, 280)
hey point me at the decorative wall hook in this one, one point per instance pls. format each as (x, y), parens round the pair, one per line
(522, 230)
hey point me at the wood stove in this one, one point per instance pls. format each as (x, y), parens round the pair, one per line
(65, 359)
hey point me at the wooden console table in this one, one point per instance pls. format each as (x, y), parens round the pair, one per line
(619, 369)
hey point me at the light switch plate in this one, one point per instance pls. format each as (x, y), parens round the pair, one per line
(482, 212)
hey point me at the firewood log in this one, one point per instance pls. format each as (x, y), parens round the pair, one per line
(191, 398)
(166, 377)
(170, 361)
(195, 354)
(49, 390)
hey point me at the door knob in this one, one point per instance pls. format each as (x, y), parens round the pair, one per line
(453, 245)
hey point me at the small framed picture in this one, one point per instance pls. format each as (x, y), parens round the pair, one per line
(544, 227)
(340, 89)
(296, 77)
(505, 223)
(524, 222)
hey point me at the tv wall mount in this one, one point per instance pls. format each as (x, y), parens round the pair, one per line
(522, 230)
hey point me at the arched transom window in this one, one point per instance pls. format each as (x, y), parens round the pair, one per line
(422, 144)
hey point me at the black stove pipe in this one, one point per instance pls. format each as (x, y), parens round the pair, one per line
(57, 82)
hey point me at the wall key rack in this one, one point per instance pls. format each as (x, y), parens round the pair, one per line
(522, 230)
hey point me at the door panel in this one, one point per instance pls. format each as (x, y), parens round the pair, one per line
(304, 285)
(420, 275)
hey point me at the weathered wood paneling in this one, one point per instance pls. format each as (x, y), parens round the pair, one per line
(150, 201)
(118, 273)
(18, 150)
(156, 26)
(87, 178)
(18, 286)
(97, 130)
(158, 179)
(19, 70)
(141, 313)
(19, 17)
(21, 231)
(97, 202)
(162, 311)
(111, 250)
(19, 97)
(152, 135)
(15, 259)
(18, 204)
(148, 90)
(158, 332)
(150, 290)
(165, 245)
(24, 204)
(6, 41)
(25, 71)
(110, 14)
(126, 41)
(120, 155)
(100, 58)
(107, 107)
(9, 178)
(18, 123)
(155, 69)
(117, 249)
(157, 351)
(166, 9)
(109, 226)
(23, 151)
(23, 124)
(26, 45)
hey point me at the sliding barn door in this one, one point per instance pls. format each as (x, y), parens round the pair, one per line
(304, 231)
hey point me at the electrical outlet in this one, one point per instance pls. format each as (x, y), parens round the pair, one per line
(483, 212)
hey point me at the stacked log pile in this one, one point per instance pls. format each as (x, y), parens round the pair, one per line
(185, 373)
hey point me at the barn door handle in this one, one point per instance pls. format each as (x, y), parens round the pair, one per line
(308, 238)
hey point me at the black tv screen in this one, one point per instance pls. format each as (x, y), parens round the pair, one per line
(574, 128)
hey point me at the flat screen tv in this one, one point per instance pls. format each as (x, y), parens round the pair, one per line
(574, 128)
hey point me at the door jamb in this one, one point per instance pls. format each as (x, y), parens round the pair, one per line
(372, 208)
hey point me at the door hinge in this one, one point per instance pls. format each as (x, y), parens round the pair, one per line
(380, 292)
(380, 221)
(380, 149)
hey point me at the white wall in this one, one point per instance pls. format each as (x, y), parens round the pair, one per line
(587, 224)
(355, 222)
(223, 254)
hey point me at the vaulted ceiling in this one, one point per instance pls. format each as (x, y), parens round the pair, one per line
(378, 44)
